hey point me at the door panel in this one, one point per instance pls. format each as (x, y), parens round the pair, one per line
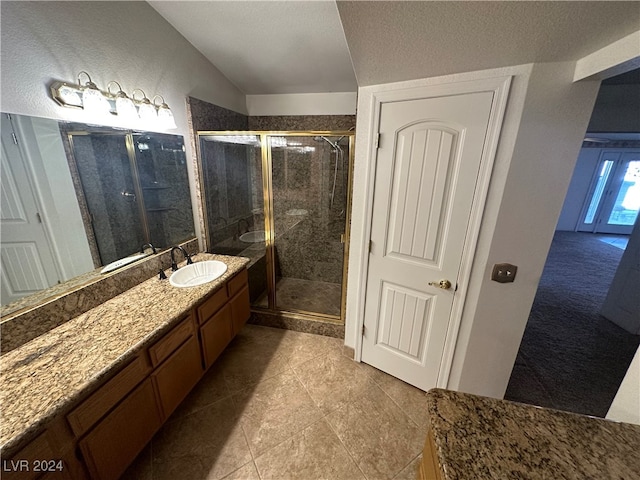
(426, 172)
(28, 265)
(404, 321)
(420, 190)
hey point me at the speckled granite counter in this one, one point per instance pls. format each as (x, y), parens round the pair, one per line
(483, 438)
(44, 377)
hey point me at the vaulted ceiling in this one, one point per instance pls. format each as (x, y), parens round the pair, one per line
(319, 46)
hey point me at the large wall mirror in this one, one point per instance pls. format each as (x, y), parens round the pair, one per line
(76, 198)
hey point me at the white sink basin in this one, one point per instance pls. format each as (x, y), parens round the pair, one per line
(197, 273)
(122, 262)
(253, 237)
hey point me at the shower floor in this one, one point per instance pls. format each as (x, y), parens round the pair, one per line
(306, 295)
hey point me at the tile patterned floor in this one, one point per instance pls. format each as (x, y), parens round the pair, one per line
(307, 295)
(281, 404)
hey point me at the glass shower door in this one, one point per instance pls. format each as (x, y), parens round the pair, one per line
(106, 174)
(309, 191)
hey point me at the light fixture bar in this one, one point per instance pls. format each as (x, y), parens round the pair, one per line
(90, 98)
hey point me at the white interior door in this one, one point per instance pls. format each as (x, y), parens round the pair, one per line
(27, 262)
(427, 167)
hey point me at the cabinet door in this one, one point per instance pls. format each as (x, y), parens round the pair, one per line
(216, 335)
(175, 378)
(113, 444)
(240, 310)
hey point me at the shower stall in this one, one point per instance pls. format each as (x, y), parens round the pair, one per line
(282, 199)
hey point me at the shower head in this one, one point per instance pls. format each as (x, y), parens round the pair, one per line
(321, 138)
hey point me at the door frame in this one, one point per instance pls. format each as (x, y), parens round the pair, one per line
(605, 204)
(373, 98)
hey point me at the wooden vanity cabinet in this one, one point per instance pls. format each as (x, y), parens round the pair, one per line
(215, 335)
(116, 441)
(175, 378)
(221, 320)
(113, 424)
(51, 455)
(240, 309)
(429, 468)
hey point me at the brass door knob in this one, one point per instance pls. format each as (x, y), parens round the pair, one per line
(443, 284)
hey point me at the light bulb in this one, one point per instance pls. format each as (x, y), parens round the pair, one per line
(147, 111)
(126, 108)
(94, 102)
(165, 117)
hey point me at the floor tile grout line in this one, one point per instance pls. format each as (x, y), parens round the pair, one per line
(346, 449)
(391, 398)
(402, 469)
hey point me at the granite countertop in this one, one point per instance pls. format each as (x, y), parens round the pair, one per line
(484, 438)
(43, 378)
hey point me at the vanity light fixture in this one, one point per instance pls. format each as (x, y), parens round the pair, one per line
(165, 116)
(93, 100)
(125, 108)
(90, 98)
(146, 110)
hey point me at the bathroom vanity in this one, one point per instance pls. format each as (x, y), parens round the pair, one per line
(82, 400)
(471, 437)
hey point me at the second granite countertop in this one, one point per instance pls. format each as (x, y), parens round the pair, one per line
(484, 438)
(42, 378)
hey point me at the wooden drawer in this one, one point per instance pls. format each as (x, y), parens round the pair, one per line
(107, 396)
(171, 341)
(212, 305)
(23, 465)
(240, 310)
(177, 376)
(238, 282)
(113, 444)
(216, 335)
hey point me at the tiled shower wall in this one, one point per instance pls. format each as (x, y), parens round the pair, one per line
(307, 246)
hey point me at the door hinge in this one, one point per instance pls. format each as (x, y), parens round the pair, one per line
(376, 141)
(370, 246)
(38, 217)
(15, 139)
(363, 329)
(342, 238)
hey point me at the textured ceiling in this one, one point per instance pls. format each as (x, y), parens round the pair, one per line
(268, 47)
(394, 41)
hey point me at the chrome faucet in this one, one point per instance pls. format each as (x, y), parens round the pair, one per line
(153, 249)
(174, 265)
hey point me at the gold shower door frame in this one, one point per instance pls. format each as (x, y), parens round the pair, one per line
(80, 194)
(269, 221)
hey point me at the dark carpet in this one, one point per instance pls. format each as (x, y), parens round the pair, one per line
(571, 358)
